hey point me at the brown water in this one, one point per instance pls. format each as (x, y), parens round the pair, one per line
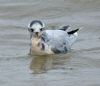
(79, 67)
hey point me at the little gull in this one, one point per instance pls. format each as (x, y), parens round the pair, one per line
(50, 41)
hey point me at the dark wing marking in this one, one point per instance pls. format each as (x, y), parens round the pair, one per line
(55, 50)
(43, 46)
(72, 32)
(64, 28)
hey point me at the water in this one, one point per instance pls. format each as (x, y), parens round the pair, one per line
(79, 67)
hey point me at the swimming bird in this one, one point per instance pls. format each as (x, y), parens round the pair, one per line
(45, 41)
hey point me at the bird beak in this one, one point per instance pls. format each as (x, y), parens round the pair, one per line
(36, 34)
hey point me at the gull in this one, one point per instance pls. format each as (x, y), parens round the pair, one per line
(45, 41)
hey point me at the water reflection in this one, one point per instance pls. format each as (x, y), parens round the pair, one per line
(41, 64)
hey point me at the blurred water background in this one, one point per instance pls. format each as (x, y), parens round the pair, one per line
(80, 67)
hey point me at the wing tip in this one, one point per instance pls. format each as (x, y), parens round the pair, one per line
(73, 31)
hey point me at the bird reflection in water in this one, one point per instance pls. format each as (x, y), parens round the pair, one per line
(41, 64)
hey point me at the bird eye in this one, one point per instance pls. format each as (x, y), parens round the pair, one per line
(41, 29)
(31, 29)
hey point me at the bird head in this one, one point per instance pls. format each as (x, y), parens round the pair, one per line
(36, 28)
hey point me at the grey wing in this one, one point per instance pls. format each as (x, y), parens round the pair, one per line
(56, 40)
(61, 46)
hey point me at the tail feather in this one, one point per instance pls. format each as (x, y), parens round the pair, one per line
(72, 32)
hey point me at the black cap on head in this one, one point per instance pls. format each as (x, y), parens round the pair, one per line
(36, 21)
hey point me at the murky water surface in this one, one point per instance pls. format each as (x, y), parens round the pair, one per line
(79, 67)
